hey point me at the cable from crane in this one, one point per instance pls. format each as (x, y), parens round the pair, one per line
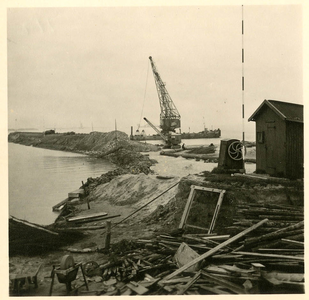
(139, 124)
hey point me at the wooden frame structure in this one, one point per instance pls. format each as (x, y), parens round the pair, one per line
(188, 206)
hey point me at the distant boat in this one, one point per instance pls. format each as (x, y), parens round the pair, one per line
(206, 134)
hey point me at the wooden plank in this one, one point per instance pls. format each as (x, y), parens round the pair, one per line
(85, 217)
(216, 212)
(108, 235)
(216, 237)
(137, 288)
(292, 242)
(95, 219)
(216, 249)
(176, 280)
(187, 208)
(201, 188)
(57, 206)
(271, 255)
(196, 227)
(76, 193)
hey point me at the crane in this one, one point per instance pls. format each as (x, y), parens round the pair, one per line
(169, 116)
(157, 130)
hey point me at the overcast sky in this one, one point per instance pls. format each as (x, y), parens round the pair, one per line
(68, 66)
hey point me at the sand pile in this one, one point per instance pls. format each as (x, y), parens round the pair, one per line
(135, 190)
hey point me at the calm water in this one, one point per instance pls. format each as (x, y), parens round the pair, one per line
(40, 178)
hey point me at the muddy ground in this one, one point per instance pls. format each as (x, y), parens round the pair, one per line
(130, 187)
(126, 193)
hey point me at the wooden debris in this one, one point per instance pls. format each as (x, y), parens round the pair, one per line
(215, 249)
(184, 255)
(208, 263)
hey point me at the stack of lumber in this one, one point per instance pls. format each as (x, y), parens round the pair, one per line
(201, 264)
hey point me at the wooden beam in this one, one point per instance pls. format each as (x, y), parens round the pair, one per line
(187, 208)
(216, 249)
(271, 255)
(87, 217)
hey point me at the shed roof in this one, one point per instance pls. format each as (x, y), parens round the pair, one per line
(287, 111)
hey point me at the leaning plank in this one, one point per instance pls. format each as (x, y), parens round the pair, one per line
(187, 208)
(87, 217)
(271, 255)
(215, 249)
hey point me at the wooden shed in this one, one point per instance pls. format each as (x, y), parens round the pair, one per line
(279, 139)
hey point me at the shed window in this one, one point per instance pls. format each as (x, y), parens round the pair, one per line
(260, 137)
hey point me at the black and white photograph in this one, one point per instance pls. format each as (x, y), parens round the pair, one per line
(153, 148)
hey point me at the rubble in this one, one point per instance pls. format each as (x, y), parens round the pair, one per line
(151, 267)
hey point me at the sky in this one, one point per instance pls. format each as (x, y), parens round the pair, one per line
(75, 65)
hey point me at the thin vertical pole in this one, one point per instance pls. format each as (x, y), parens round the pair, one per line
(243, 78)
(108, 235)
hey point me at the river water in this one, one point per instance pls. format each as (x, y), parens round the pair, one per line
(40, 178)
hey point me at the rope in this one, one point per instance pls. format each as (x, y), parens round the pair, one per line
(139, 124)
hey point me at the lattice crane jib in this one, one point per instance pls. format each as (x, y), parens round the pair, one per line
(169, 116)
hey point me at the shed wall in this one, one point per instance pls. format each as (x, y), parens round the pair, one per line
(295, 150)
(271, 149)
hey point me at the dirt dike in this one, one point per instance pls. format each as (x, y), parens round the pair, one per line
(114, 146)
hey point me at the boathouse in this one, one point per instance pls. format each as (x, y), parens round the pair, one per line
(279, 139)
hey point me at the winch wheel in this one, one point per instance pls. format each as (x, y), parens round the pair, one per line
(235, 150)
(66, 262)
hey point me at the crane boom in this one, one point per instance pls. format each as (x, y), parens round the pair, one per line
(169, 116)
(156, 130)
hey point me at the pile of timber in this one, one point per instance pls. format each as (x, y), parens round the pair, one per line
(203, 264)
(289, 218)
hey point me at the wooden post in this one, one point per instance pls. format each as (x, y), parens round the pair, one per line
(87, 197)
(108, 235)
